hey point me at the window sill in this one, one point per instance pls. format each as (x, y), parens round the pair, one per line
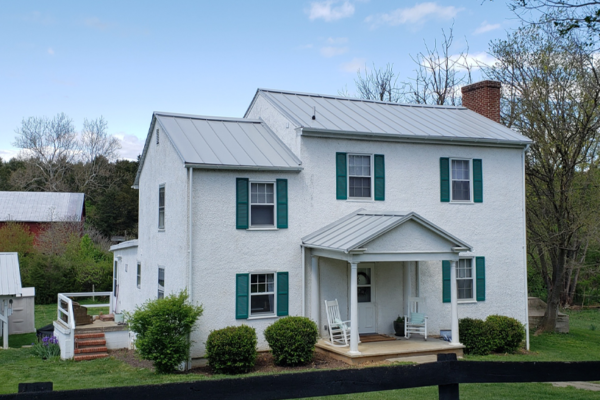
(263, 317)
(360, 200)
(161, 230)
(462, 202)
(262, 229)
(467, 301)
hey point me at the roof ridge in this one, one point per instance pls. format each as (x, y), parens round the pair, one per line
(327, 96)
(207, 117)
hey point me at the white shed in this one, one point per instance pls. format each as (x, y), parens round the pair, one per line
(10, 289)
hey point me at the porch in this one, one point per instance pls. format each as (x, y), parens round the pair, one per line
(414, 349)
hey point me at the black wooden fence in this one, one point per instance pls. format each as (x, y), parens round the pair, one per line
(447, 374)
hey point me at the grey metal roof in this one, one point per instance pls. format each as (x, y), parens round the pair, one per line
(10, 276)
(124, 245)
(223, 143)
(360, 117)
(356, 229)
(41, 206)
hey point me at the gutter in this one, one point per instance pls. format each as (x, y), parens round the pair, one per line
(243, 167)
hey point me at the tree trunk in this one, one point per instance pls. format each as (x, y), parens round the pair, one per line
(548, 323)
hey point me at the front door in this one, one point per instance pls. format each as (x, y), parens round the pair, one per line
(366, 301)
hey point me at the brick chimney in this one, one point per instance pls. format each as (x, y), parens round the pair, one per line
(483, 98)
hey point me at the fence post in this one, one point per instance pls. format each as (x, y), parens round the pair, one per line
(93, 291)
(35, 387)
(450, 391)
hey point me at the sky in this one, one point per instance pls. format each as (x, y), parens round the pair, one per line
(125, 60)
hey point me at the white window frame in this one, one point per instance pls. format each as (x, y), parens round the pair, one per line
(115, 277)
(258, 227)
(472, 279)
(372, 173)
(163, 207)
(250, 294)
(139, 275)
(470, 181)
(161, 288)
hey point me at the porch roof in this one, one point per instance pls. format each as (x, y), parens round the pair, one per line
(349, 235)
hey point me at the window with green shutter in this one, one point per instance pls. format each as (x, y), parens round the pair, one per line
(242, 209)
(282, 293)
(282, 203)
(477, 181)
(341, 181)
(379, 167)
(446, 283)
(445, 180)
(241, 296)
(480, 276)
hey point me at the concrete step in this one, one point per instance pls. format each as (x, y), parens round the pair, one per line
(89, 335)
(89, 342)
(101, 349)
(89, 356)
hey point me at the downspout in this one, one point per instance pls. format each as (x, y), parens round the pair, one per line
(525, 252)
(303, 281)
(190, 254)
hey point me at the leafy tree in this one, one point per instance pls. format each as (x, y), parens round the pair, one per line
(16, 237)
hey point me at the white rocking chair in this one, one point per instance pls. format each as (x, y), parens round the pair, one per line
(339, 331)
(416, 320)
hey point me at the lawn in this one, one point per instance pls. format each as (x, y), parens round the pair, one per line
(583, 343)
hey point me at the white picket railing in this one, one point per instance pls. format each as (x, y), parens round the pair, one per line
(69, 316)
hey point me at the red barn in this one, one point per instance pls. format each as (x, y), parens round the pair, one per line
(37, 209)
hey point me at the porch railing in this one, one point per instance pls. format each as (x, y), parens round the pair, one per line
(65, 305)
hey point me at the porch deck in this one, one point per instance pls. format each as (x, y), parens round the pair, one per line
(100, 326)
(414, 349)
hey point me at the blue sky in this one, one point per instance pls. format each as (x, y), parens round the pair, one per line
(124, 60)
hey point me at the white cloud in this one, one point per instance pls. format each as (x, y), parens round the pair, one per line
(413, 15)
(474, 60)
(486, 27)
(131, 146)
(340, 40)
(8, 154)
(327, 10)
(332, 51)
(354, 65)
(306, 46)
(50, 51)
(96, 23)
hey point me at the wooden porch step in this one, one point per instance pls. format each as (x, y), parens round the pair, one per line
(89, 335)
(90, 356)
(101, 349)
(89, 342)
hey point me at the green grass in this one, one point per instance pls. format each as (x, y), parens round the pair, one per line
(582, 344)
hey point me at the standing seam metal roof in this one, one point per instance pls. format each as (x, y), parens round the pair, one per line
(359, 116)
(41, 206)
(10, 275)
(354, 230)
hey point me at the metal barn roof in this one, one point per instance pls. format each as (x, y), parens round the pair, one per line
(41, 206)
(10, 276)
(392, 120)
(355, 230)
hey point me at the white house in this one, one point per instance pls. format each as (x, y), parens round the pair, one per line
(312, 197)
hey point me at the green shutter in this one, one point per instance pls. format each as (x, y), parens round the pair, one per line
(446, 284)
(241, 199)
(444, 179)
(480, 276)
(282, 293)
(242, 283)
(477, 182)
(282, 203)
(341, 181)
(379, 164)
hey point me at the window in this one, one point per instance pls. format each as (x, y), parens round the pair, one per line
(139, 275)
(262, 204)
(359, 176)
(157, 136)
(262, 294)
(464, 279)
(161, 283)
(161, 207)
(115, 278)
(461, 180)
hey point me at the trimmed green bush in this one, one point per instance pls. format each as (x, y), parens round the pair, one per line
(163, 327)
(475, 336)
(231, 350)
(292, 340)
(507, 333)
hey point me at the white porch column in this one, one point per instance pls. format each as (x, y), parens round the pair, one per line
(314, 291)
(454, 303)
(353, 309)
(4, 323)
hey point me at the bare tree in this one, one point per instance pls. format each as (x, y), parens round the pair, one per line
(552, 95)
(378, 84)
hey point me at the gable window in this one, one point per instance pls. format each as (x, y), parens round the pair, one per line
(464, 279)
(161, 207)
(157, 136)
(359, 176)
(262, 294)
(139, 275)
(461, 180)
(262, 204)
(161, 282)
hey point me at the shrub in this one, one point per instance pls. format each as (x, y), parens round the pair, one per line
(162, 327)
(475, 336)
(16, 237)
(507, 333)
(292, 340)
(47, 348)
(231, 350)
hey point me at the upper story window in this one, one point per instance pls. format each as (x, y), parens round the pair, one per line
(161, 282)
(464, 279)
(262, 204)
(139, 275)
(157, 136)
(461, 180)
(359, 176)
(161, 207)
